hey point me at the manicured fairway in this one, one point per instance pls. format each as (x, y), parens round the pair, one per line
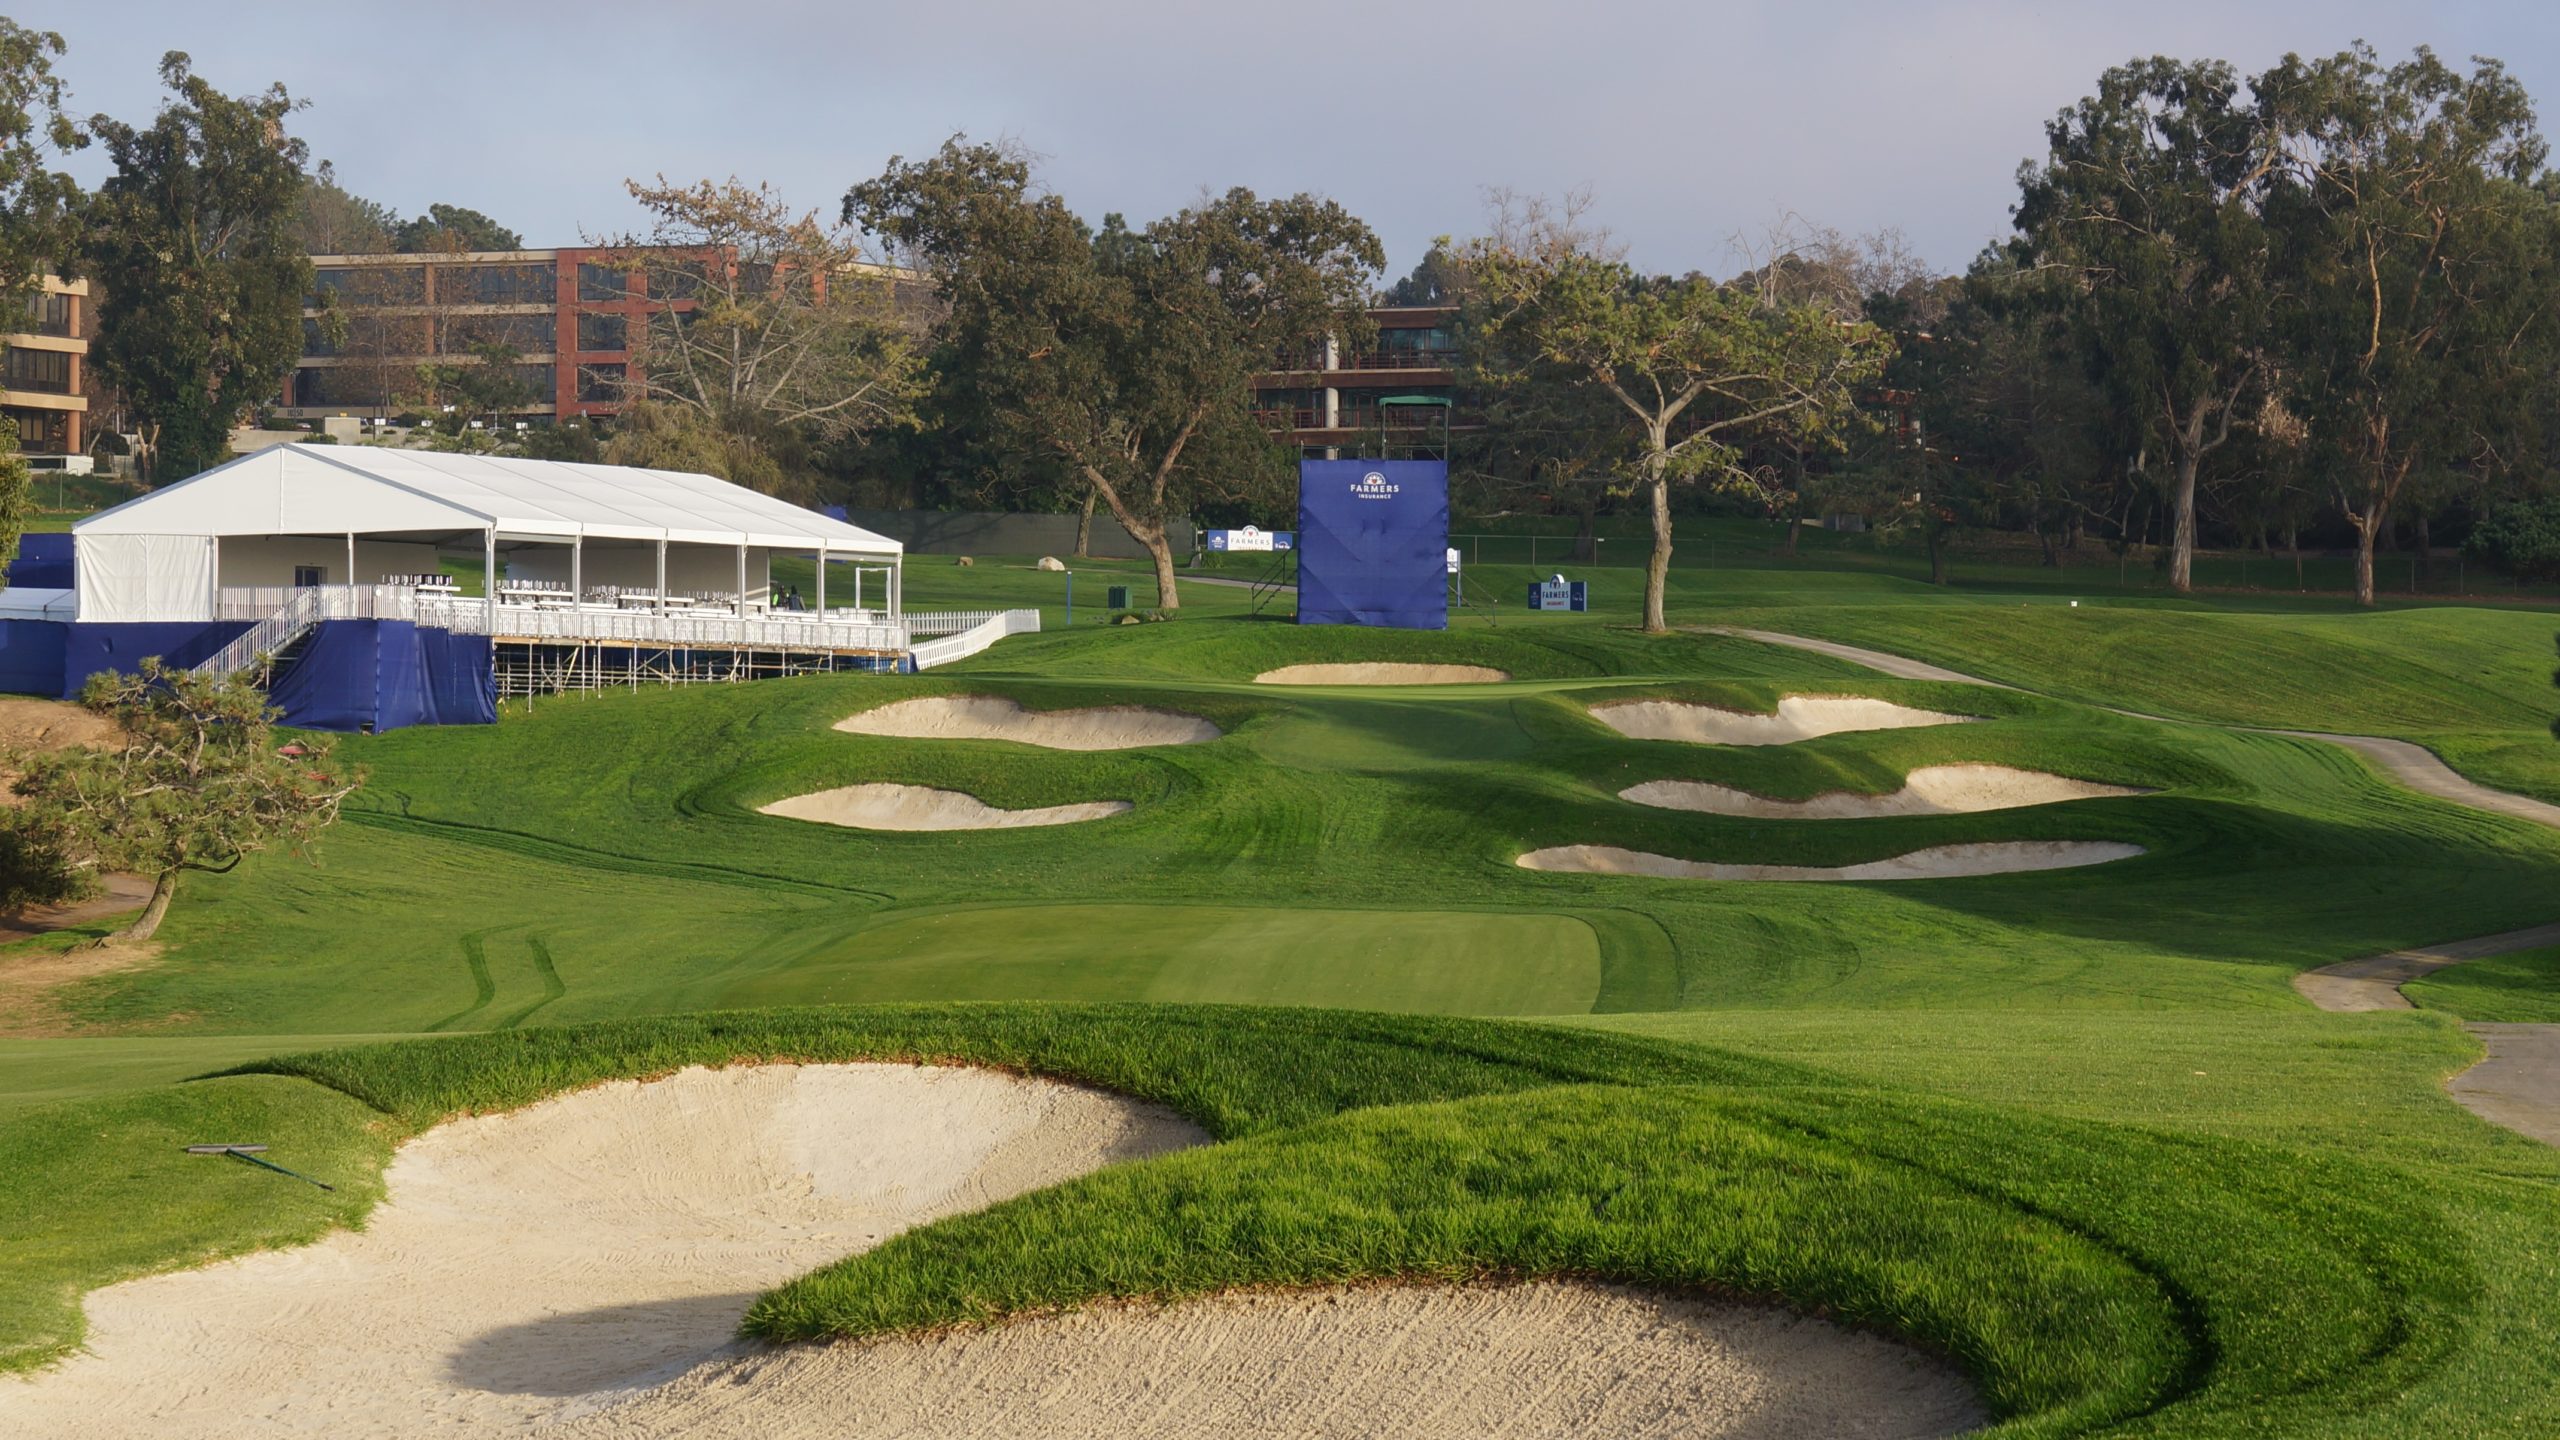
(1449, 962)
(2074, 1128)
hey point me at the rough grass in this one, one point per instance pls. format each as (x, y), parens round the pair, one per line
(2522, 987)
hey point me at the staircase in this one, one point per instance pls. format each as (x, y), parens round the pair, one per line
(268, 644)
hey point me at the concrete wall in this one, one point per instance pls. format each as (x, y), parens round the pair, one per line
(250, 560)
(973, 532)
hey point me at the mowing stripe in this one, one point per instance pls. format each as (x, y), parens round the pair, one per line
(552, 986)
(484, 986)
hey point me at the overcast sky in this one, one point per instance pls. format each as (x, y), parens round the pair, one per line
(1689, 122)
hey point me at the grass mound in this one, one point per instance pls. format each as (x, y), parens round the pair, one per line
(2085, 1274)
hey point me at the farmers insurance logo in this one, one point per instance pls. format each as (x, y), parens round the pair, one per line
(1374, 486)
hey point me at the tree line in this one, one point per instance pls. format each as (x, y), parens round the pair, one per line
(2317, 300)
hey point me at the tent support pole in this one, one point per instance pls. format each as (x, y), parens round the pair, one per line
(351, 561)
(489, 576)
(822, 580)
(577, 571)
(662, 572)
(742, 580)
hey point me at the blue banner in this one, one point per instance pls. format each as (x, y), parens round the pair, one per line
(1373, 543)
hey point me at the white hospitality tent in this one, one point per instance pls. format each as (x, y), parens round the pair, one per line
(301, 515)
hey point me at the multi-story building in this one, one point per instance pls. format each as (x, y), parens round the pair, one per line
(572, 316)
(1333, 404)
(43, 370)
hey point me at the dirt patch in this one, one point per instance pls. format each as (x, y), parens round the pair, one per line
(1929, 790)
(1939, 862)
(919, 807)
(27, 723)
(1416, 1361)
(1799, 717)
(991, 717)
(30, 981)
(1381, 673)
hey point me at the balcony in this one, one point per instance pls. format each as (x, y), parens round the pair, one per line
(1350, 417)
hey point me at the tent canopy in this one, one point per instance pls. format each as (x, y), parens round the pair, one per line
(375, 490)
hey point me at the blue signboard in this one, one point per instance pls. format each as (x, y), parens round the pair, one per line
(1559, 594)
(1373, 543)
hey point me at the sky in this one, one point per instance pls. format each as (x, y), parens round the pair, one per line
(1690, 124)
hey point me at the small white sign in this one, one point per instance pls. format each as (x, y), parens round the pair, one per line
(1453, 559)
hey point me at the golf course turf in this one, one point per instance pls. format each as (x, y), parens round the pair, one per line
(2071, 1129)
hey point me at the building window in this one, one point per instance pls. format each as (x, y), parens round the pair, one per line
(41, 432)
(370, 285)
(49, 315)
(604, 282)
(306, 577)
(47, 372)
(496, 285)
(600, 330)
(524, 334)
(601, 384)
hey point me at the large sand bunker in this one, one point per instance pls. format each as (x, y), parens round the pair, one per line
(530, 1267)
(579, 1267)
(1381, 673)
(1938, 862)
(1929, 790)
(992, 717)
(1527, 1360)
(920, 807)
(1799, 717)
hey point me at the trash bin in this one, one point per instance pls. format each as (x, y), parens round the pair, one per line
(1117, 597)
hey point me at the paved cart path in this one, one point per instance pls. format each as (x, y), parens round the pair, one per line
(2518, 1085)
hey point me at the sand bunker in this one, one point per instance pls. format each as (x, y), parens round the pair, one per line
(1799, 717)
(578, 1268)
(530, 1267)
(1929, 790)
(1381, 673)
(1939, 862)
(920, 807)
(1538, 1359)
(992, 717)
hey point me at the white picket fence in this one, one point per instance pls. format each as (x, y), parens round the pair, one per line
(976, 638)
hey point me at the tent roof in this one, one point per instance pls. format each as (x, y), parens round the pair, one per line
(376, 490)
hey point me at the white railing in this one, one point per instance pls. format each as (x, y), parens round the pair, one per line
(275, 630)
(950, 622)
(785, 630)
(978, 637)
(317, 602)
(283, 612)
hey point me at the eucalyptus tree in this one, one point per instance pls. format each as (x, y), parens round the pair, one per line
(2148, 200)
(193, 239)
(39, 203)
(1130, 364)
(2422, 264)
(1692, 368)
(770, 333)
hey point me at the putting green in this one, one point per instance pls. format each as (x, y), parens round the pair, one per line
(1452, 962)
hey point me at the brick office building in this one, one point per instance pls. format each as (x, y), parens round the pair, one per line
(573, 316)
